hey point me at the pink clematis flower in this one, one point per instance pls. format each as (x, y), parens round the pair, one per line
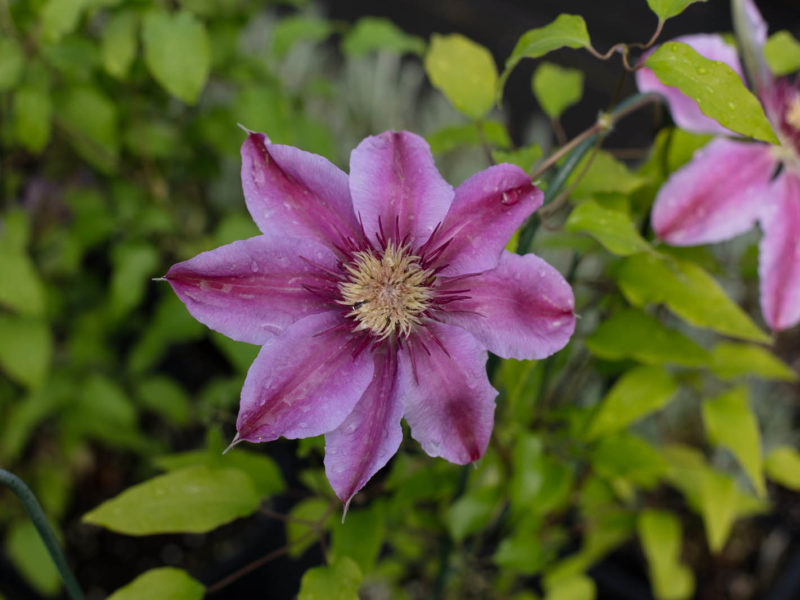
(731, 184)
(376, 298)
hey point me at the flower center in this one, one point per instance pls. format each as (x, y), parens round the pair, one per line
(793, 113)
(387, 292)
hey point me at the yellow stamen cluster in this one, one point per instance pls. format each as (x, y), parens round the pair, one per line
(793, 114)
(387, 291)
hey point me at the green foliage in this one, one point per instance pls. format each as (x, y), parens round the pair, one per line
(612, 228)
(660, 533)
(731, 424)
(26, 549)
(556, 88)
(295, 28)
(782, 52)
(600, 173)
(732, 359)
(360, 536)
(717, 89)
(177, 52)
(565, 31)
(338, 581)
(190, 500)
(12, 63)
(464, 71)
(666, 9)
(168, 583)
(630, 333)
(688, 291)
(579, 587)
(26, 347)
(783, 466)
(639, 392)
(32, 111)
(373, 33)
(119, 44)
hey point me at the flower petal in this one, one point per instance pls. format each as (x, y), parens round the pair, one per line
(450, 402)
(779, 256)
(395, 185)
(303, 383)
(487, 209)
(370, 435)
(296, 193)
(523, 309)
(253, 289)
(685, 112)
(716, 196)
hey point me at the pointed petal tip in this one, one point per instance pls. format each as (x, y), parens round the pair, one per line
(234, 442)
(346, 508)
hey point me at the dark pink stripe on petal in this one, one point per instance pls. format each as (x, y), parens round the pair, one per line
(300, 385)
(394, 182)
(779, 256)
(487, 209)
(252, 290)
(685, 112)
(296, 193)
(523, 309)
(370, 435)
(449, 404)
(716, 196)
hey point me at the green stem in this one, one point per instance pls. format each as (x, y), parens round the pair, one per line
(31, 504)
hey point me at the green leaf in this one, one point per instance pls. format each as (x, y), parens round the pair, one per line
(605, 174)
(177, 52)
(60, 17)
(28, 553)
(118, 43)
(374, 33)
(539, 483)
(299, 532)
(524, 157)
(630, 333)
(565, 31)
(152, 138)
(455, 136)
(165, 583)
(338, 581)
(464, 71)
(32, 111)
(21, 288)
(165, 397)
(717, 89)
(688, 291)
(262, 470)
(295, 28)
(26, 346)
(12, 63)
(626, 456)
(579, 587)
(134, 263)
(361, 535)
(782, 52)
(556, 88)
(783, 466)
(712, 494)
(637, 393)
(471, 512)
(91, 119)
(191, 500)
(731, 359)
(612, 228)
(240, 354)
(666, 9)
(731, 424)
(661, 536)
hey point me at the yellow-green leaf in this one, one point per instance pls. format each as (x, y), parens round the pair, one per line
(565, 31)
(338, 581)
(688, 291)
(782, 52)
(165, 583)
(579, 587)
(732, 359)
(464, 71)
(118, 43)
(28, 553)
(191, 500)
(637, 393)
(612, 228)
(783, 466)
(717, 89)
(661, 537)
(375, 33)
(666, 9)
(32, 114)
(556, 88)
(12, 63)
(26, 347)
